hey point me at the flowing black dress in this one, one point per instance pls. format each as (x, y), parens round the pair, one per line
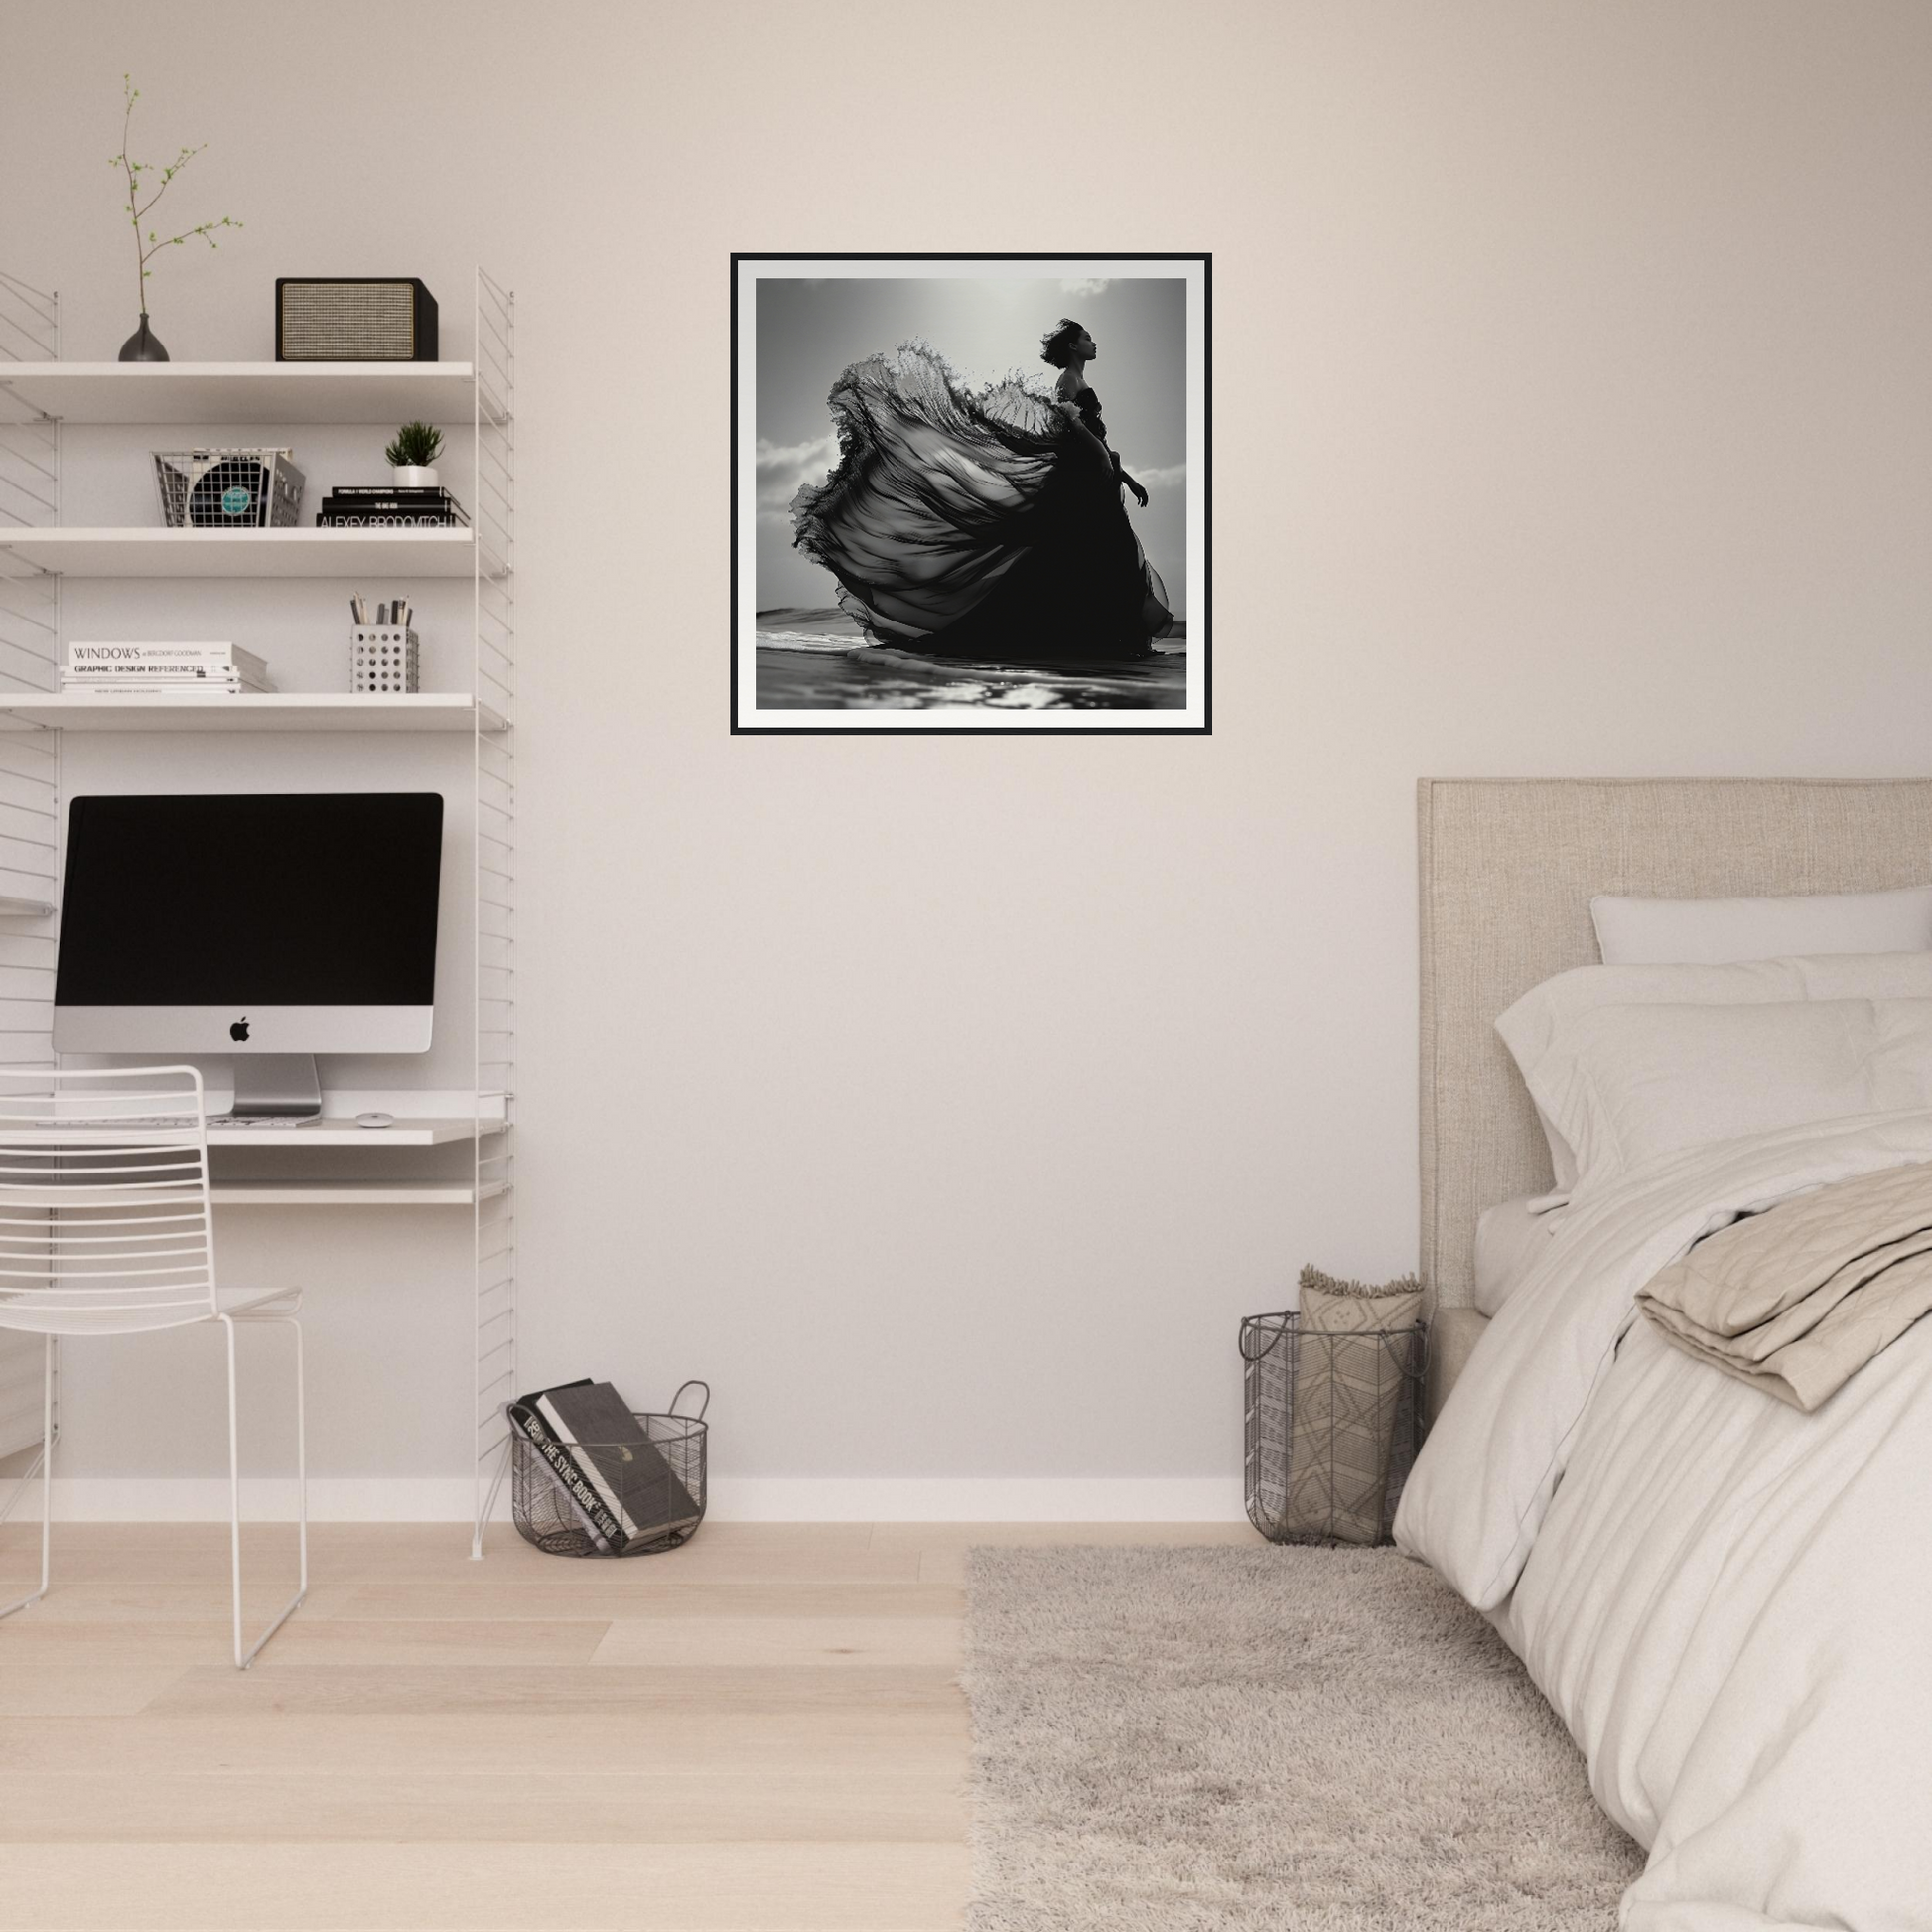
(975, 523)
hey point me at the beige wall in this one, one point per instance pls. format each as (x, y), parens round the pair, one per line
(946, 1100)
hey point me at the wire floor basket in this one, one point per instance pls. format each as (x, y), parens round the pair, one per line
(1333, 1426)
(665, 1513)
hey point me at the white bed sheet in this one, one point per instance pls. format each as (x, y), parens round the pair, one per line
(1729, 1602)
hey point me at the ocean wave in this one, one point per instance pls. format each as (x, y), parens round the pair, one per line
(802, 670)
(805, 641)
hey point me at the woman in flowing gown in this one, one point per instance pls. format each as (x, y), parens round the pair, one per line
(983, 525)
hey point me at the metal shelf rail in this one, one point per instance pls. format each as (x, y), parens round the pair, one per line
(30, 782)
(493, 513)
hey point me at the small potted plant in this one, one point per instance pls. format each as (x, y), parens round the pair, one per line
(412, 456)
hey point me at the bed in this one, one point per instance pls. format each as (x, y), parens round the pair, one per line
(1727, 1600)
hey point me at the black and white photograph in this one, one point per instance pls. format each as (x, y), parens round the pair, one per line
(970, 493)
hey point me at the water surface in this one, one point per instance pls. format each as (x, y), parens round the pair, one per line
(817, 660)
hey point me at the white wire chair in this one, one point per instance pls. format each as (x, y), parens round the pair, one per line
(107, 1229)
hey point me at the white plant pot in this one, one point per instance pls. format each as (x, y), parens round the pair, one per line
(413, 475)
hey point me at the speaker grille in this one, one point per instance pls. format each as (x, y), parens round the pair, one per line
(348, 322)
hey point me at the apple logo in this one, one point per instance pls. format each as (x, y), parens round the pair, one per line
(240, 1031)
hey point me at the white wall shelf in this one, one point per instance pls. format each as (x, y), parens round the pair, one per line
(382, 393)
(80, 552)
(350, 1193)
(41, 397)
(255, 711)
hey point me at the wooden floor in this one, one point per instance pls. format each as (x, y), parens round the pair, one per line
(758, 1733)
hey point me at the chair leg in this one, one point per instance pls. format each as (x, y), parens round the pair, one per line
(47, 1483)
(242, 1659)
(489, 1508)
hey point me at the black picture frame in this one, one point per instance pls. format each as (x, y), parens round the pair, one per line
(1195, 721)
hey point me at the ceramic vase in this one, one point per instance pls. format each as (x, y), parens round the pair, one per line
(144, 345)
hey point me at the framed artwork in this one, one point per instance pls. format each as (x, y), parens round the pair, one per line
(970, 493)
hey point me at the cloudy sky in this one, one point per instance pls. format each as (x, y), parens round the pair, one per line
(809, 331)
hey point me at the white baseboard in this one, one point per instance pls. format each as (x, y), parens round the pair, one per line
(204, 1499)
(734, 1499)
(977, 1499)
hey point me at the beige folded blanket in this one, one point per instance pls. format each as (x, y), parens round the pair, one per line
(1797, 1299)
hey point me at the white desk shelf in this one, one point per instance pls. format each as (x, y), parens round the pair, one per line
(388, 554)
(345, 1133)
(350, 1193)
(46, 562)
(383, 393)
(254, 711)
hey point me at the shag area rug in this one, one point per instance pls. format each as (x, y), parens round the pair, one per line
(1302, 1739)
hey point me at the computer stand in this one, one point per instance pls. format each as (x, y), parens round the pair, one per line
(276, 1086)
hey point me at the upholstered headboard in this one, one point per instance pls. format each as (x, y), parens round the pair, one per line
(1507, 870)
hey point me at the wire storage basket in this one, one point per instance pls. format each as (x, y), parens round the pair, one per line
(228, 489)
(1333, 1426)
(653, 1491)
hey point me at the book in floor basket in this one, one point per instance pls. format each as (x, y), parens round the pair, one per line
(616, 1478)
(599, 1525)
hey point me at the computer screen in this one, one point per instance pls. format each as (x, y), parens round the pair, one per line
(280, 922)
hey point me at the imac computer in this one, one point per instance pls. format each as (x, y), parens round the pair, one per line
(269, 927)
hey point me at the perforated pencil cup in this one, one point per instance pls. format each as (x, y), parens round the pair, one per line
(383, 658)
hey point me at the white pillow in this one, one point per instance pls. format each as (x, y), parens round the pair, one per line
(1627, 1083)
(1530, 1028)
(1713, 931)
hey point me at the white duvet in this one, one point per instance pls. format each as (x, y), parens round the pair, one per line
(1729, 1602)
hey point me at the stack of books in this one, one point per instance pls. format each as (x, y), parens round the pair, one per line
(381, 506)
(618, 1484)
(201, 668)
